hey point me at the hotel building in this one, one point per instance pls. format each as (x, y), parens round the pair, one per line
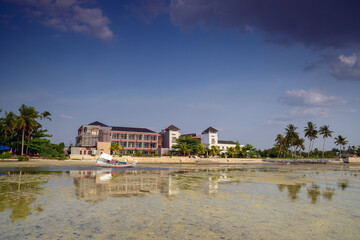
(97, 137)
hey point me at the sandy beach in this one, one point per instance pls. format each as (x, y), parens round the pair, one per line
(11, 163)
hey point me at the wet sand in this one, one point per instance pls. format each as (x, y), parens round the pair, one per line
(149, 162)
(11, 163)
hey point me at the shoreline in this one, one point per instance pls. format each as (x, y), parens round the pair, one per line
(14, 163)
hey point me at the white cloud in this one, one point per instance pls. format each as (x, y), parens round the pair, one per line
(312, 97)
(345, 67)
(309, 112)
(310, 103)
(66, 116)
(69, 16)
(275, 122)
(350, 61)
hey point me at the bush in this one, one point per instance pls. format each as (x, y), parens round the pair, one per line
(62, 157)
(5, 155)
(22, 158)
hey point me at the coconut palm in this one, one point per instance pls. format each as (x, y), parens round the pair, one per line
(215, 150)
(311, 133)
(183, 147)
(200, 149)
(291, 136)
(299, 143)
(325, 132)
(237, 148)
(279, 141)
(231, 151)
(45, 115)
(340, 140)
(116, 147)
(26, 122)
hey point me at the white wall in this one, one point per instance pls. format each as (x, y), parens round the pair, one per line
(207, 137)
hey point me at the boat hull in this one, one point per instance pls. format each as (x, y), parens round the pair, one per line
(127, 165)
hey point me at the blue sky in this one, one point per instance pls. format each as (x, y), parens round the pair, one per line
(247, 68)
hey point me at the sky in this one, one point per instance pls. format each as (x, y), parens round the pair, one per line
(245, 67)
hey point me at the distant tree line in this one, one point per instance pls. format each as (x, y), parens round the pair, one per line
(292, 145)
(189, 146)
(24, 135)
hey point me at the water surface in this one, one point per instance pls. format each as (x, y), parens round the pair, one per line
(207, 202)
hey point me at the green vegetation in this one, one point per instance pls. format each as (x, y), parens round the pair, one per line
(23, 158)
(187, 145)
(115, 147)
(292, 145)
(340, 140)
(5, 155)
(24, 135)
(325, 132)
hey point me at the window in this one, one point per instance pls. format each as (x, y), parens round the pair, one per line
(153, 138)
(153, 145)
(95, 131)
(138, 137)
(146, 145)
(123, 136)
(131, 136)
(146, 137)
(138, 145)
(130, 144)
(115, 136)
(213, 141)
(173, 140)
(123, 144)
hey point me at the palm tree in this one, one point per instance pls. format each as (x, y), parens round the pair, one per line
(214, 150)
(280, 141)
(231, 151)
(26, 121)
(311, 133)
(45, 115)
(299, 143)
(237, 148)
(116, 147)
(291, 136)
(200, 149)
(340, 140)
(325, 131)
(184, 148)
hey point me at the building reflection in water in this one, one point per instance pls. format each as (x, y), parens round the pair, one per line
(95, 186)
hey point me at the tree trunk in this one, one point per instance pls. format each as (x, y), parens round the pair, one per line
(323, 153)
(340, 150)
(22, 142)
(279, 151)
(309, 149)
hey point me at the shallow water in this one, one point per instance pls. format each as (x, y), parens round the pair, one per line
(207, 202)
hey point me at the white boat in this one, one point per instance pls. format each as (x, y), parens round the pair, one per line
(106, 160)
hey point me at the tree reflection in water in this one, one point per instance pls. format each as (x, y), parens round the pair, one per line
(313, 192)
(293, 190)
(18, 190)
(328, 193)
(343, 184)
